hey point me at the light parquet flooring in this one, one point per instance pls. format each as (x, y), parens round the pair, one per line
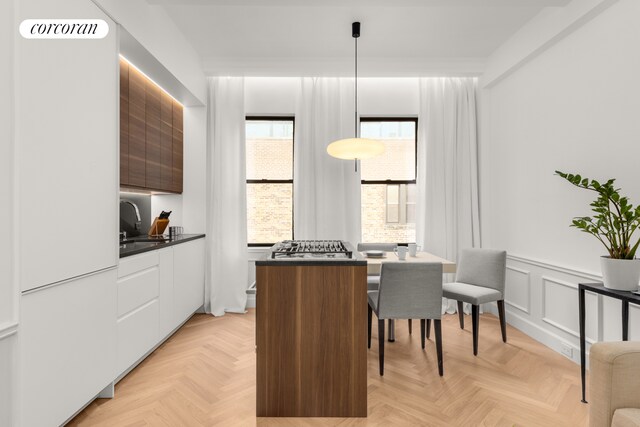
(205, 376)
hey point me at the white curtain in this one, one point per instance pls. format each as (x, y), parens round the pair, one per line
(326, 190)
(448, 209)
(227, 263)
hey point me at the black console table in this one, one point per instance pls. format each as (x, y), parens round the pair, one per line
(625, 298)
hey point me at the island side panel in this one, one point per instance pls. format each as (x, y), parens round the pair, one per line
(277, 341)
(334, 352)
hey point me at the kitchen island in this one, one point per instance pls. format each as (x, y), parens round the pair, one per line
(311, 333)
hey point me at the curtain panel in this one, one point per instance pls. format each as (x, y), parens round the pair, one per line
(326, 190)
(448, 217)
(227, 273)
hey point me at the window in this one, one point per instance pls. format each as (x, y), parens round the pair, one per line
(389, 181)
(269, 149)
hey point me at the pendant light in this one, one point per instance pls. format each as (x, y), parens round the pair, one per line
(355, 148)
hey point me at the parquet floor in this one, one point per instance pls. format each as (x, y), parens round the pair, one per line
(205, 376)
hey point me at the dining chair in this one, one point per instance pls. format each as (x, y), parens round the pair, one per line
(408, 291)
(373, 280)
(480, 279)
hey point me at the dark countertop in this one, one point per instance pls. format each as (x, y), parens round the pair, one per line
(357, 259)
(138, 247)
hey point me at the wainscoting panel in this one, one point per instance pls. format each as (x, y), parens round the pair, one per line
(542, 301)
(560, 308)
(518, 289)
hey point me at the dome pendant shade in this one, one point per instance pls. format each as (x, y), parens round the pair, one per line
(355, 148)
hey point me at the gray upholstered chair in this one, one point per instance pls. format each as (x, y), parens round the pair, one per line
(373, 280)
(408, 291)
(480, 279)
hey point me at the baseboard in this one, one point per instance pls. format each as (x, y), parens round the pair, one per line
(540, 334)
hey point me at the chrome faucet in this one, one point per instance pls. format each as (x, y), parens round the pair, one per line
(135, 208)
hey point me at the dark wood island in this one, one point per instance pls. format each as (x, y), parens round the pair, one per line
(311, 332)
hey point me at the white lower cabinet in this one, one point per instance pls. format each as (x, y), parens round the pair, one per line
(167, 317)
(157, 291)
(138, 308)
(79, 336)
(67, 342)
(188, 278)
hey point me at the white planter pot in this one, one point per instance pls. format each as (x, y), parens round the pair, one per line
(620, 274)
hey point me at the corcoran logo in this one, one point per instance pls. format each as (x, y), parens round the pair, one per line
(64, 29)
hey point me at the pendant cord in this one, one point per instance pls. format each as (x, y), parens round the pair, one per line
(356, 93)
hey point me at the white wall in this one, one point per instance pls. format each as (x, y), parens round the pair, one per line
(376, 96)
(8, 286)
(573, 105)
(154, 29)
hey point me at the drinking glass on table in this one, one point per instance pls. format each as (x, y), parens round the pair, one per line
(413, 249)
(401, 252)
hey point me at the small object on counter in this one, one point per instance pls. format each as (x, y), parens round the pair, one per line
(175, 231)
(158, 227)
(159, 224)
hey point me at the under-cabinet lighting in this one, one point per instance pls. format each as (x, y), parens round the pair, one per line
(152, 81)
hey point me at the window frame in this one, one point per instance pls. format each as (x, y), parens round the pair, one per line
(413, 119)
(276, 118)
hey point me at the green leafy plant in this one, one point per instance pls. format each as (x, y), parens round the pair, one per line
(614, 221)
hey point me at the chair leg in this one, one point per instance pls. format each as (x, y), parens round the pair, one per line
(369, 319)
(381, 345)
(475, 320)
(428, 328)
(461, 314)
(422, 322)
(410, 326)
(438, 329)
(503, 320)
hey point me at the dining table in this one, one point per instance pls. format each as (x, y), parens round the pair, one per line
(374, 264)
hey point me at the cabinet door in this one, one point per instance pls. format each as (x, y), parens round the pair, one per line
(178, 141)
(137, 128)
(166, 142)
(138, 308)
(167, 317)
(152, 118)
(66, 150)
(188, 278)
(124, 122)
(67, 347)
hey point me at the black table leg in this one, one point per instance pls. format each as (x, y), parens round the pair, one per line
(625, 320)
(392, 330)
(583, 357)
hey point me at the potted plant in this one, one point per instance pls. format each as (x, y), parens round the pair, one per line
(613, 223)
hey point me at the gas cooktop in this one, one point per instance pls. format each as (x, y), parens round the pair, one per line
(311, 249)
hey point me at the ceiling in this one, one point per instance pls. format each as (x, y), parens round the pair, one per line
(307, 37)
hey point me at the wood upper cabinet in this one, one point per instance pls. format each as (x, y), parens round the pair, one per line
(166, 141)
(151, 134)
(124, 122)
(177, 160)
(152, 117)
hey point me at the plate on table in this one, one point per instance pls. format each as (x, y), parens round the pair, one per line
(375, 254)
